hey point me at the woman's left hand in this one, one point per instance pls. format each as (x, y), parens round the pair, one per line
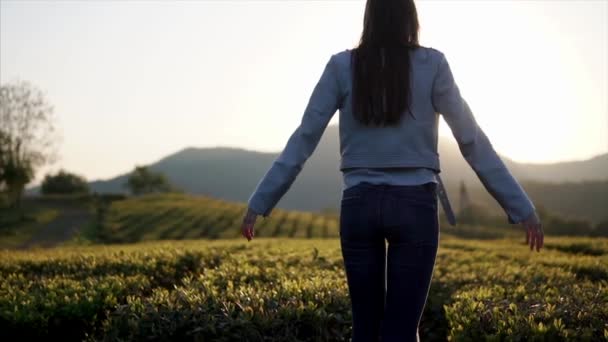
(248, 224)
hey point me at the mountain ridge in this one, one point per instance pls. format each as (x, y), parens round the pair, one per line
(232, 173)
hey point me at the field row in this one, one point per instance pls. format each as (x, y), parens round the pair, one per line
(295, 290)
(177, 217)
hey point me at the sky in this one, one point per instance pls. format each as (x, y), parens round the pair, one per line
(134, 81)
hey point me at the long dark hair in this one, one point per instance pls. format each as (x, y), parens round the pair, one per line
(381, 63)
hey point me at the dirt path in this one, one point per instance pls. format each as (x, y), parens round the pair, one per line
(61, 229)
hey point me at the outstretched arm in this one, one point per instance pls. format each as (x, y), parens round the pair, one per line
(325, 100)
(476, 147)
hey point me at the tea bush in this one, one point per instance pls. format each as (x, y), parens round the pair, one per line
(295, 290)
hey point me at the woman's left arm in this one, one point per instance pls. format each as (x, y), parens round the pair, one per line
(325, 100)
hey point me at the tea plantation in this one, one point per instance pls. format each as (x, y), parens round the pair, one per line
(280, 289)
(179, 216)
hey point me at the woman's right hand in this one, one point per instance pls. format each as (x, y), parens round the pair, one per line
(247, 227)
(534, 231)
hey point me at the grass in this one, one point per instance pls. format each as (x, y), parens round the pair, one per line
(20, 231)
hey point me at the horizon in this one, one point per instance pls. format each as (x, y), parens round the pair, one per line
(129, 91)
(121, 173)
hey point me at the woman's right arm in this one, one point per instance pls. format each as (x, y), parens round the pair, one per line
(476, 147)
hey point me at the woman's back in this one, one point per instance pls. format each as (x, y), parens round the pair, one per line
(412, 143)
(385, 175)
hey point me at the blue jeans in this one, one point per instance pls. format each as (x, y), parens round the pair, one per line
(388, 287)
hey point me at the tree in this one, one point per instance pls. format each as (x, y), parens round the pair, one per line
(143, 181)
(27, 137)
(64, 183)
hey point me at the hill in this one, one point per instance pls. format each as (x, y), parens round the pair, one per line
(232, 174)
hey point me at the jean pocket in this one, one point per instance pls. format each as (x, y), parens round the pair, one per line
(421, 197)
(354, 192)
(431, 188)
(350, 198)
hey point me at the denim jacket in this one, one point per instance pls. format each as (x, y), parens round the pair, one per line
(411, 143)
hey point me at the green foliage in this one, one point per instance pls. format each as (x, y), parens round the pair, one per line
(570, 203)
(64, 183)
(26, 137)
(15, 175)
(553, 223)
(18, 226)
(295, 290)
(558, 225)
(181, 216)
(601, 229)
(4, 202)
(584, 199)
(143, 181)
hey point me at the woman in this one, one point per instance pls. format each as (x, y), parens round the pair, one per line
(389, 91)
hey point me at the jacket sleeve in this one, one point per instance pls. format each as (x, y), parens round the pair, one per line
(476, 147)
(325, 100)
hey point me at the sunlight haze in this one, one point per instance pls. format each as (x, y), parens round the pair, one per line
(132, 82)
